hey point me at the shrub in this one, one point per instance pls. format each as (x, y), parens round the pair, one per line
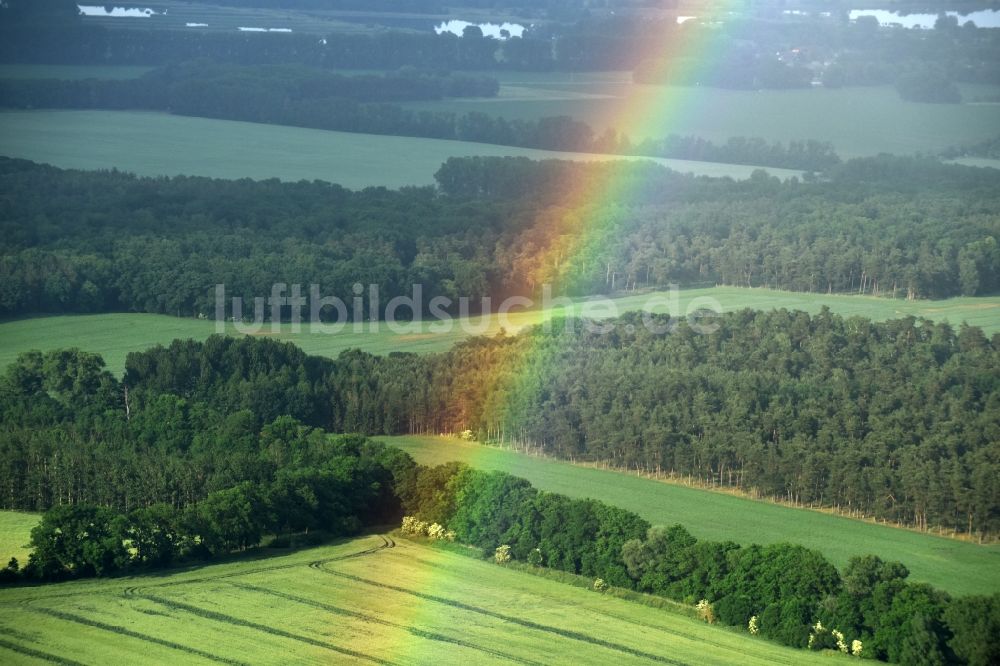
(753, 626)
(535, 558)
(600, 585)
(502, 554)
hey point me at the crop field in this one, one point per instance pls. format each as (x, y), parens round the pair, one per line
(15, 532)
(159, 144)
(852, 119)
(956, 566)
(115, 335)
(371, 599)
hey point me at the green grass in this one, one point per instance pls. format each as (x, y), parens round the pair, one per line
(857, 121)
(359, 601)
(956, 566)
(15, 532)
(115, 335)
(155, 144)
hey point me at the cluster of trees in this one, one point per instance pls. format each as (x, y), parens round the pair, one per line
(143, 479)
(314, 98)
(94, 242)
(137, 507)
(785, 592)
(989, 148)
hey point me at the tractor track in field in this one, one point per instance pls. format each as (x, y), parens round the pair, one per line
(387, 542)
(263, 628)
(37, 654)
(139, 592)
(122, 631)
(374, 619)
(528, 624)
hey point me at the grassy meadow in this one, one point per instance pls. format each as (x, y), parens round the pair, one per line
(115, 335)
(15, 532)
(371, 599)
(160, 144)
(854, 120)
(956, 566)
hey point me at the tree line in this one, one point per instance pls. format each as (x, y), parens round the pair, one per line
(286, 478)
(781, 591)
(318, 99)
(749, 52)
(76, 241)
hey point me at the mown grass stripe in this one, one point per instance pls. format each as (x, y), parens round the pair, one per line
(565, 633)
(38, 654)
(115, 629)
(420, 633)
(239, 622)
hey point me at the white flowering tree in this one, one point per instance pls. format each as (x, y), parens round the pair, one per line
(502, 554)
(413, 527)
(705, 611)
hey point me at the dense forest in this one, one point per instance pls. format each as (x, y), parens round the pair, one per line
(183, 461)
(106, 241)
(890, 420)
(316, 98)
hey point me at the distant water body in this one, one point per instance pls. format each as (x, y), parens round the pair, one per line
(494, 30)
(987, 18)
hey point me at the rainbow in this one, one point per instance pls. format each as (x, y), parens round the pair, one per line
(582, 220)
(563, 240)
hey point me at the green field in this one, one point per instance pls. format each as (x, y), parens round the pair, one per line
(956, 566)
(115, 335)
(369, 599)
(157, 144)
(15, 532)
(857, 121)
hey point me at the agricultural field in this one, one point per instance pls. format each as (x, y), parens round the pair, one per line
(956, 566)
(159, 144)
(115, 335)
(15, 532)
(371, 599)
(852, 119)
(71, 72)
